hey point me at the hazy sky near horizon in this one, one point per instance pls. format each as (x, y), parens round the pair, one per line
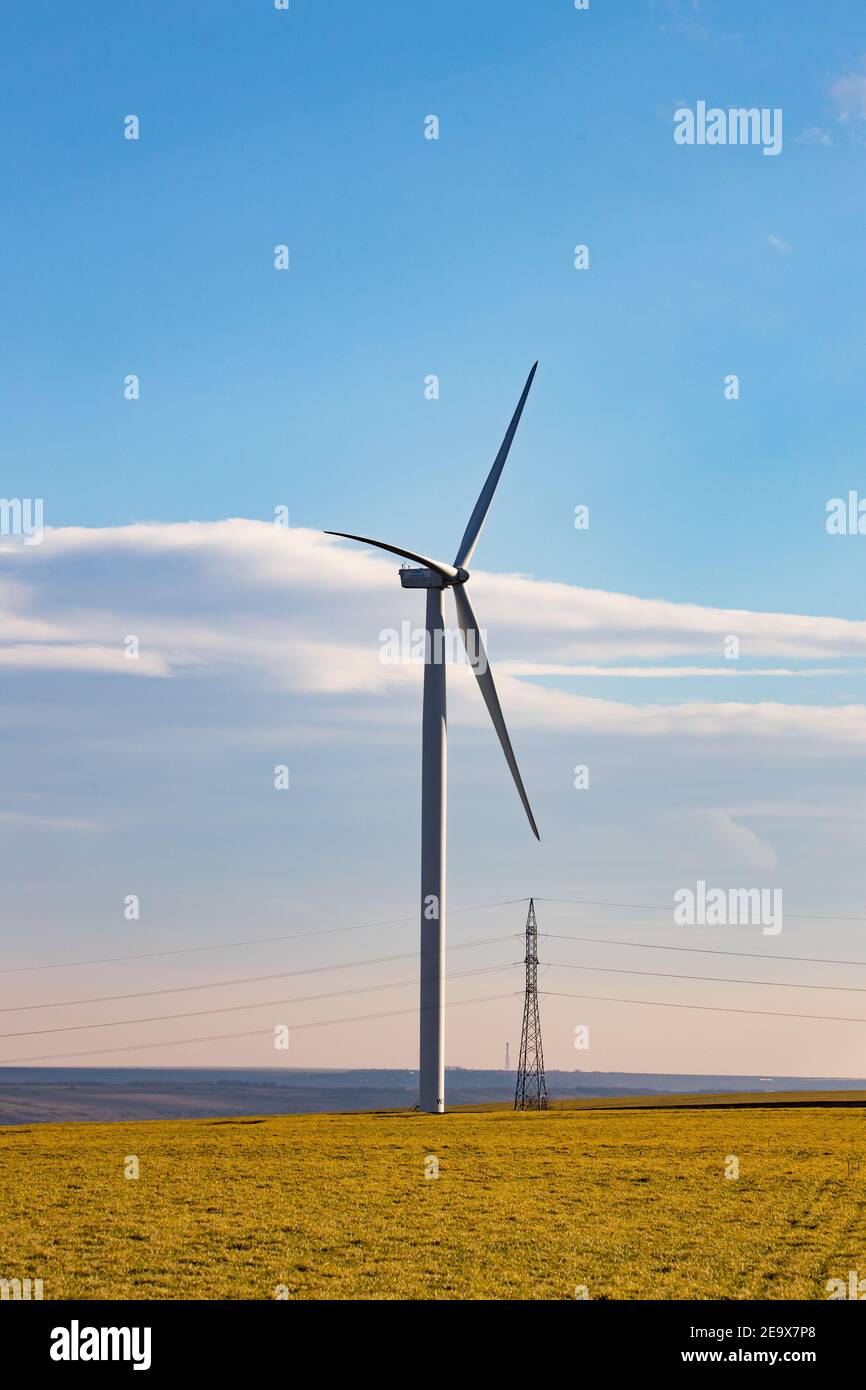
(261, 645)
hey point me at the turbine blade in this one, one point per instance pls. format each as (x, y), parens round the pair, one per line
(476, 521)
(447, 571)
(481, 666)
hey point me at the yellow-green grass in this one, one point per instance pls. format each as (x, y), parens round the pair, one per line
(629, 1202)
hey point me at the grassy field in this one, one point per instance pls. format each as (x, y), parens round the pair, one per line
(629, 1200)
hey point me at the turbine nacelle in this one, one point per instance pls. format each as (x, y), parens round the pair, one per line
(412, 578)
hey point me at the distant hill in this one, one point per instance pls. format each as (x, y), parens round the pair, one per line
(30, 1095)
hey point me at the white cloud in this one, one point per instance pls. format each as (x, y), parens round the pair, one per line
(739, 844)
(538, 668)
(296, 611)
(685, 21)
(79, 656)
(779, 244)
(818, 728)
(848, 94)
(814, 135)
(29, 821)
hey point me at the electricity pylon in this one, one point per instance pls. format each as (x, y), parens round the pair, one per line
(531, 1091)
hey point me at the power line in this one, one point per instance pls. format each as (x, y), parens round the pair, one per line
(238, 1008)
(701, 950)
(707, 979)
(400, 984)
(399, 921)
(707, 1008)
(395, 1013)
(254, 1033)
(255, 941)
(666, 907)
(244, 980)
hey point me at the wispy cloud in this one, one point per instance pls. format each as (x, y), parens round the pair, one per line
(663, 672)
(814, 135)
(296, 611)
(740, 843)
(30, 821)
(80, 656)
(685, 20)
(848, 94)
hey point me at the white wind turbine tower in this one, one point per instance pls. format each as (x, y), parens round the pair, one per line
(436, 577)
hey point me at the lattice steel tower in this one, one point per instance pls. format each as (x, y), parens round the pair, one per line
(531, 1092)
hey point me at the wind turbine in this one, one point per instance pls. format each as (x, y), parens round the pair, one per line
(436, 577)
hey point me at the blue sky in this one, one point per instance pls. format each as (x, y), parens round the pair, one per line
(305, 388)
(454, 257)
